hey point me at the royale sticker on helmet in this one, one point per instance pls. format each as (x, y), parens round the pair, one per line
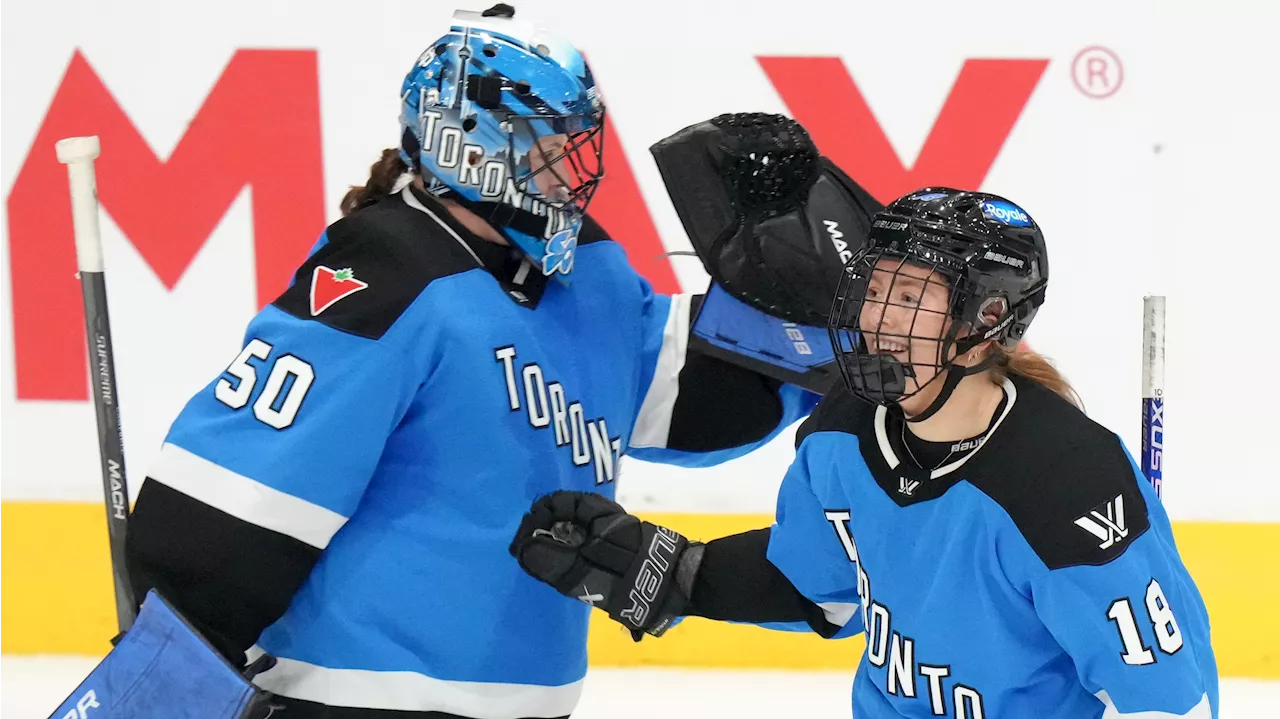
(1006, 212)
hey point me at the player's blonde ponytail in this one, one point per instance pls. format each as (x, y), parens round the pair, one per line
(1037, 368)
(382, 177)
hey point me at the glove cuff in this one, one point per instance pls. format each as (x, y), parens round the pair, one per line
(687, 570)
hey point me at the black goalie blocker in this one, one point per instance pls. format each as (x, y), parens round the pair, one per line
(943, 271)
(773, 223)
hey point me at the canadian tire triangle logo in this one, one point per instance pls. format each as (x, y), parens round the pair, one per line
(329, 285)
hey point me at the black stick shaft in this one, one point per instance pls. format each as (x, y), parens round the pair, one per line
(115, 486)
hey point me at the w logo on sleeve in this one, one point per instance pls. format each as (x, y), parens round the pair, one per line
(1106, 522)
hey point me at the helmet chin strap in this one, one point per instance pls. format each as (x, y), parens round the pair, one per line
(955, 373)
(503, 216)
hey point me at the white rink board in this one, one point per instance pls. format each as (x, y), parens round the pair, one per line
(1127, 188)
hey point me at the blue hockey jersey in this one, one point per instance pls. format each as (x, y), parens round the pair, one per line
(1035, 577)
(342, 497)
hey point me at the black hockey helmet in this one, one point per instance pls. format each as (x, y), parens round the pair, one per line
(986, 251)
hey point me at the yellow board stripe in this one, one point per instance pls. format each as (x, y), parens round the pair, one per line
(55, 579)
(56, 595)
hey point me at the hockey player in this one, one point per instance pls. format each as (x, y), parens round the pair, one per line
(1000, 549)
(339, 502)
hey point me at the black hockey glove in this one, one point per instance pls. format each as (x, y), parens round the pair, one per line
(772, 221)
(589, 548)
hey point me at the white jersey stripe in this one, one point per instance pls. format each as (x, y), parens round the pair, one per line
(653, 425)
(838, 613)
(1200, 711)
(411, 691)
(244, 498)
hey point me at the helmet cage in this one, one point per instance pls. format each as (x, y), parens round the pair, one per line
(981, 306)
(576, 167)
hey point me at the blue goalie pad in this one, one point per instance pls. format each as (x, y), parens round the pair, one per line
(730, 330)
(162, 667)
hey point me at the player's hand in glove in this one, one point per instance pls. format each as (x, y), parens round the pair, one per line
(589, 548)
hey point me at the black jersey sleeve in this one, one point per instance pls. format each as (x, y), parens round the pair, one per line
(719, 404)
(737, 582)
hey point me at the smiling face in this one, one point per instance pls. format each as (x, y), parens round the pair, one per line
(906, 314)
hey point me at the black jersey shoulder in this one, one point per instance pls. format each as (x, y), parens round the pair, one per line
(395, 249)
(1064, 480)
(591, 232)
(837, 411)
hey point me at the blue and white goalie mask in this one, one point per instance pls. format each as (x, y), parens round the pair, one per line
(505, 119)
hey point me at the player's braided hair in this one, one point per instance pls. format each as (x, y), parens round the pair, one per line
(382, 177)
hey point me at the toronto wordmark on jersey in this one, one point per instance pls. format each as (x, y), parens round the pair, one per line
(546, 405)
(888, 648)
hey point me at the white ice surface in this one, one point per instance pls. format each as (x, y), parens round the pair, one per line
(30, 688)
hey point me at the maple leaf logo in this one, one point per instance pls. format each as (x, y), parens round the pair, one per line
(328, 286)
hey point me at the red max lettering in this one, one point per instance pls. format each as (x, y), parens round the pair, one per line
(984, 103)
(260, 126)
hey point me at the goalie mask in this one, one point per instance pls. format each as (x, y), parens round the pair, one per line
(504, 119)
(943, 272)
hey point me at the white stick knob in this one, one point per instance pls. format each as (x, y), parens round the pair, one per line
(78, 149)
(78, 154)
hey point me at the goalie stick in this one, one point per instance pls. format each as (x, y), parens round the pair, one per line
(78, 154)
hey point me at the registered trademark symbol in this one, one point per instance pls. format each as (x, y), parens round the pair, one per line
(1097, 72)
